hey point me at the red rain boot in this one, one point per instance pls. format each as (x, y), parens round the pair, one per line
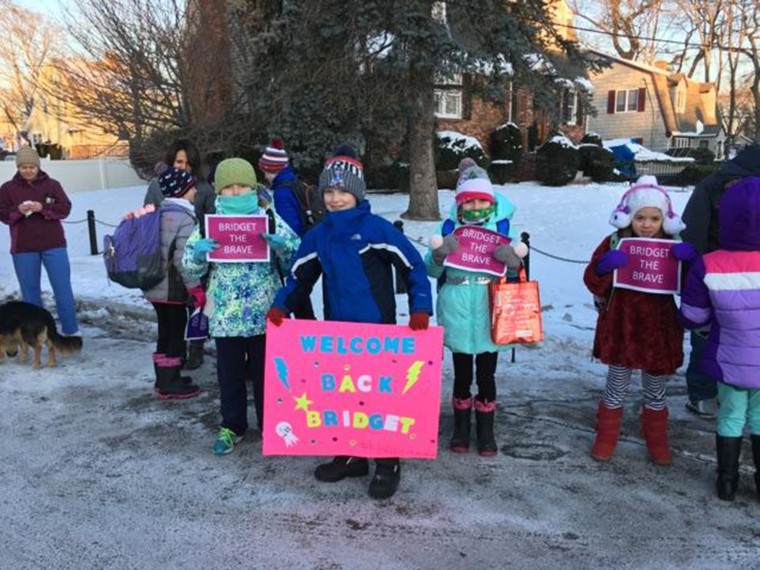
(607, 432)
(654, 428)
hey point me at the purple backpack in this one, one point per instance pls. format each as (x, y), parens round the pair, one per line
(133, 255)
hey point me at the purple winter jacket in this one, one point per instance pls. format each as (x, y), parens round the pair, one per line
(40, 231)
(723, 289)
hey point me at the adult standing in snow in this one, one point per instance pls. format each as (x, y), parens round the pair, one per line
(33, 205)
(634, 329)
(702, 231)
(184, 155)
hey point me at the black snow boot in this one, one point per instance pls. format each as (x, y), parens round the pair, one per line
(756, 457)
(340, 468)
(194, 355)
(386, 479)
(169, 384)
(460, 440)
(484, 417)
(728, 450)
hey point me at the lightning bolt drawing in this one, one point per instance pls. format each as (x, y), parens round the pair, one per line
(412, 375)
(282, 372)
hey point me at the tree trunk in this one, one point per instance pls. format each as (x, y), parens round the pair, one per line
(423, 190)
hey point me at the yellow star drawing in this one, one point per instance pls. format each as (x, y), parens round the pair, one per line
(303, 402)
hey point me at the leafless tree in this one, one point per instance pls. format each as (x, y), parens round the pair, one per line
(630, 26)
(142, 71)
(28, 44)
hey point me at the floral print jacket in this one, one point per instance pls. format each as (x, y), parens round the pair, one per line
(239, 295)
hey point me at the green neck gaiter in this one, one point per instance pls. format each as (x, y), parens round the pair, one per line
(241, 205)
(476, 216)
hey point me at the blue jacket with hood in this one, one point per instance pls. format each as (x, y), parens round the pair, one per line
(354, 251)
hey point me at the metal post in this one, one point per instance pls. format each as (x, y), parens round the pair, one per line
(525, 238)
(91, 231)
(400, 285)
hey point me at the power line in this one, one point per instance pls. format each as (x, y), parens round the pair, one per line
(650, 39)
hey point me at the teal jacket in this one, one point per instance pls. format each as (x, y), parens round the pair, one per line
(463, 309)
(240, 294)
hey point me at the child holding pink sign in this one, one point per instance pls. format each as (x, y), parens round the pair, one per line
(239, 295)
(463, 306)
(636, 330)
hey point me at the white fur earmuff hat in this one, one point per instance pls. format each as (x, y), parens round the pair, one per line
(646, 193)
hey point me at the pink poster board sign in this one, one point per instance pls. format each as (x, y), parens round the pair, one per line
(475, 251)
(650, 267)
(239, 238)
(334, 388)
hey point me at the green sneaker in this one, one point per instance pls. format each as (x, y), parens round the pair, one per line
(226, 441)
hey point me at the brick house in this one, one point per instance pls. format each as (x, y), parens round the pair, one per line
(656, 108)
(458, 109)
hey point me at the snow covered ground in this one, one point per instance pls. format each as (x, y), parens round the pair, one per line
(97, 473)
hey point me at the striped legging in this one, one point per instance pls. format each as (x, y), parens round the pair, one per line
(618, 381)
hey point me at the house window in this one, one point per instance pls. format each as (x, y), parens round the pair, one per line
(36, 139)
(680, 142)
(439, 12)
(627, 101)
(569, 107)
(448, 97)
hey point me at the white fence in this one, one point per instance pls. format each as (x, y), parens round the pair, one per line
(83, 175)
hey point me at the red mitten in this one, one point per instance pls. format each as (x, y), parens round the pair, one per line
(199, 297)
(419, 321)
(275, 315)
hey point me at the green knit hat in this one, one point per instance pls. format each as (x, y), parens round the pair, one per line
(234, 171)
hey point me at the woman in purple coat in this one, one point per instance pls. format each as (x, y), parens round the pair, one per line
(33, 205)
(723, 290)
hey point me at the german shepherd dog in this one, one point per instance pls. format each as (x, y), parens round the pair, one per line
(23, 325)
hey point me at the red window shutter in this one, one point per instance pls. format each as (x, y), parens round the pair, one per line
(610, 102)
(642, 103)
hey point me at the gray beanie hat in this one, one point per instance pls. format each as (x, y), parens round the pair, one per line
(344, 171)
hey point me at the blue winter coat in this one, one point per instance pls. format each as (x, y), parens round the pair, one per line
(285, 201)
(355, 251)
(463, 309)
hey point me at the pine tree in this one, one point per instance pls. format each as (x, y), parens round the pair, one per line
(326, 71)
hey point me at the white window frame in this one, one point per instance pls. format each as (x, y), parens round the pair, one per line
(680, 142)
(571, 117)
(629, 103)
(449, 100)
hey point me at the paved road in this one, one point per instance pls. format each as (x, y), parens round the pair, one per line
(97, 473)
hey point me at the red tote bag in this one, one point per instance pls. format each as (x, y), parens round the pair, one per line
(516, 311)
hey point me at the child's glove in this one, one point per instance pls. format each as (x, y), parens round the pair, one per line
(419, 321)
(506, 254)
(275, 316)
(276, 242)
(204, 246)
(443, 247)
(611, 261)
(198, 297)
(683, 251)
